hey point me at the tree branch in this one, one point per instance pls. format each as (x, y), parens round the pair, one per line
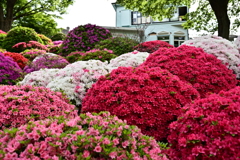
(29, 13)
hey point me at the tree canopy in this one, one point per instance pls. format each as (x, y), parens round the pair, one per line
(211, 15)
(11, 10)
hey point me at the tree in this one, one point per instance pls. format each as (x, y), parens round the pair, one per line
(42, 23)
(11, 10)
(208, 11)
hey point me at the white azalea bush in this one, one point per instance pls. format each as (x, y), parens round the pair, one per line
(75, 79)
(237, 43)
(39, 78)
(223, 49)
(131, 59)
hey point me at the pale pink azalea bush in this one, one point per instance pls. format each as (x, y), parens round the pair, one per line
(204, 71)
(150, 98)
(20, 104)
(208, 129)
(223, 49)
(237, 43)
(89, 136)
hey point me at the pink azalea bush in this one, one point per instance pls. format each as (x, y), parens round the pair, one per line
(21, 46)
(31, 54)
(208, 129)
(237, 43)
(89, 136)
(2, 32)
(10, 72)
(74, 56)
(20, 104)
(223, 49)
(150, 98)
(152, 46)
(204, 71)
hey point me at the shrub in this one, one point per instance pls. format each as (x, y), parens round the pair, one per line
(30, 54)
(237, 43)
(119, 45)
(83, 38)
(18, 58)
(223, 49)
(152, 46)
(55, 49)
(2, 36)
(20, 104)
(131, 59)
(76, 78)
(74, 56)
(29, 45)
(149, 98)
(19, 34)
(47, 60)
(40, 78)
(2, 32)
(10, 72)
(96, 54)
(46, 40)
(58, 36)
(208, 128)
(204, 71)
(57, 42)
(97, 136)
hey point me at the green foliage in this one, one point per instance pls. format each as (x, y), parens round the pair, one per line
(58, 36)
(102, 55)
(46, 40)
(2, 36)
(119, 45)
(74, 56)
(19, 34)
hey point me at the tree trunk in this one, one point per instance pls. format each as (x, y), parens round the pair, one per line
(220, 9)
(6, 19)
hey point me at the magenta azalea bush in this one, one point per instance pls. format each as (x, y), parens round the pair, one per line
(152, 46)
(83, 38)
(223, 49)
(10, 72)
(204, 71)
(20, 104)
(208, 129)
(89, 136)
(150, 98)
(21, 46)
(47, 60)
(31, 54)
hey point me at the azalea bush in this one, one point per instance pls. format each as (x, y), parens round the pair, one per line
(58, 42)
(237, 43)
(83, 38)
(39, 78)
(152, 46)
(2, 32)
(31, 54)
(18, 58)
(209, 128)
(29, 45)
(54, 48)
(74, 56)
(10, 72)
(119, 45)
(2, 36)
(131, 59)
(96, 54)
(150, 98)
(58, 36)
(75, 79)
(89, 136)
(47, 60)
(204, 71)
(17, 35)
(223, 49)
(20, 104)
(46, 40)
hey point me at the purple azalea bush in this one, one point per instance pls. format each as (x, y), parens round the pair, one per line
(10, 72)
(47, 60)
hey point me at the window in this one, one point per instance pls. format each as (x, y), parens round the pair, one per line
(163, 36)
(137, 18)
(182, 12)
(179, 38)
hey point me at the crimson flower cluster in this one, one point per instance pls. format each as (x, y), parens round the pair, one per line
(150, 98)
(152, 46)
(204, 71)
(18, 58)
(29, 45)
(20, 104)
(10, 72)
(83, 38)
(209, 128)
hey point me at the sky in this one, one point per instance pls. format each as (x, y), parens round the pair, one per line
(99, 12)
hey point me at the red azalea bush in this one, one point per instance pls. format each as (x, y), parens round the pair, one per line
(150, 98)
(20, 104)
(209, 128)
(18, 58)
(87, 137)
(152, 46)
(29, 45)
(204, 71)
